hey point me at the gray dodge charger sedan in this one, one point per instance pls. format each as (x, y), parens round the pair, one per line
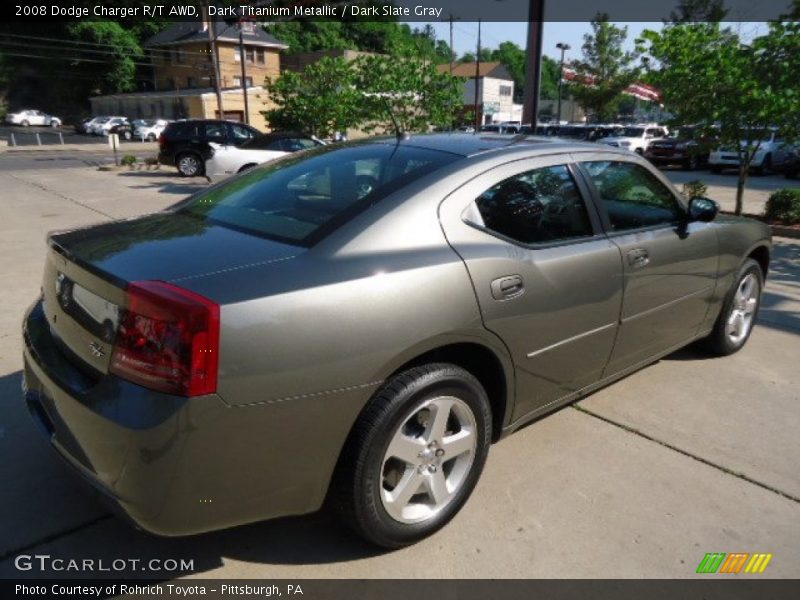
(354, 325)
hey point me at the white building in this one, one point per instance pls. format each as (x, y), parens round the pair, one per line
(495, 90)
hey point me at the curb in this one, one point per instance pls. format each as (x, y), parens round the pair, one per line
(787, 232)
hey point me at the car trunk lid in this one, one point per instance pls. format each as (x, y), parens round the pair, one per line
(88, 270)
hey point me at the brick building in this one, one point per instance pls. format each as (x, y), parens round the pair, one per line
(183, 75)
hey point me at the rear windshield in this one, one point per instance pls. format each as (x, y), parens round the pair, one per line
(301, 198)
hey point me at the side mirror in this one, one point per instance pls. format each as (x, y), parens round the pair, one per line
(702, 209)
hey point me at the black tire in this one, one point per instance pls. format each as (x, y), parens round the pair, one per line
(246, 168)
(25, 124)
(361, 478)
(718, 342)
(691, 163)
(189, 164)
(151, 137)
(54, 124)
(639, 151)
(127, 135)
(715, 169)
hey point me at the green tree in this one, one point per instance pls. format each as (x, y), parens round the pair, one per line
(709, 77)
(124, 51)
(409, 94)
(320, 100)
(605, 70)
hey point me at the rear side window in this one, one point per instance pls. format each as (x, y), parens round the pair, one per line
(215, 132)
(241, 133)
(539, 206)
(300, 199)
(632, 196)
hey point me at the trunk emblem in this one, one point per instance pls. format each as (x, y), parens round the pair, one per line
(97, 350)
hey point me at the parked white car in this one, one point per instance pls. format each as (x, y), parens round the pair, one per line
(32, 117)
(636, 138)
(764, 160)
(149, 129)
(227, 160)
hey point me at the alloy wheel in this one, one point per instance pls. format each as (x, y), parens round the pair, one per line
(743, 309)
(428, 459)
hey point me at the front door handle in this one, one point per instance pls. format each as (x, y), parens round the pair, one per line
(507, 287)
(638, 258)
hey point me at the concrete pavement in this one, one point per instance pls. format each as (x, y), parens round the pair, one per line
(688, 456)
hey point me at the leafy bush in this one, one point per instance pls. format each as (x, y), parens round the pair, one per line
(128, 159)
(784, 205)
(151, 161)
(694, 189)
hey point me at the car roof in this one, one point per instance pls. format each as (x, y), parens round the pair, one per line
(469, 144)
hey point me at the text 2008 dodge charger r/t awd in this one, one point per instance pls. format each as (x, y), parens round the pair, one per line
(359, 322)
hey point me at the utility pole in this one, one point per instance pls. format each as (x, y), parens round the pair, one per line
(212, 42)
(533, 72)
(451, 44)
(478, 115)
(244, 74)
(563, 47)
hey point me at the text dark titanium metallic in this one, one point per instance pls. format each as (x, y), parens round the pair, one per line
(393, 305)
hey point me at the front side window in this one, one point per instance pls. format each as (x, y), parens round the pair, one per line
(632, 196)
(301, 198)
(539, 206)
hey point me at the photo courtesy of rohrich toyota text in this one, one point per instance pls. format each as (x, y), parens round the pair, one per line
(400, 298)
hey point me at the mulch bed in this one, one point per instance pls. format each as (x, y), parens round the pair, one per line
(779, 228)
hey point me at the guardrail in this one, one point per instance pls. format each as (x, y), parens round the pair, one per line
(15, 137)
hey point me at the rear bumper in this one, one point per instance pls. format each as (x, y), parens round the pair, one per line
(173, 465)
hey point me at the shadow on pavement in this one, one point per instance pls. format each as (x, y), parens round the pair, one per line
(167, 181)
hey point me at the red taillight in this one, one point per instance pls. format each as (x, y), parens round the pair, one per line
(168, 340)
(162, 141)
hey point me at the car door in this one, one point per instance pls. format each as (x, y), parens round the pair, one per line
(547, 281)
(670, 267)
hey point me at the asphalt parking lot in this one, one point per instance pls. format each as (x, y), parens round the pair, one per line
(641, 479)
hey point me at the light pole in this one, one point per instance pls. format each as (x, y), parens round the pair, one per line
(563, 47)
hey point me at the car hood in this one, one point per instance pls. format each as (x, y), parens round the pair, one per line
(166, 246)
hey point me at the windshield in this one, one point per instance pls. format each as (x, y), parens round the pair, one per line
(301, 198)
(630, 132)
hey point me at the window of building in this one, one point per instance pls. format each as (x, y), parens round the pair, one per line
(505, 90)
(237, 81)
(539, 206)
(191, 82)
(236, 56)
(249, 54)
(260, 57)
(632, 196)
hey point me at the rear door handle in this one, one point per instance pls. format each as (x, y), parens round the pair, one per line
(507, 287)
(638, 258)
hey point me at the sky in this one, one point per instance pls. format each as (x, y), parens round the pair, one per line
(465, 35)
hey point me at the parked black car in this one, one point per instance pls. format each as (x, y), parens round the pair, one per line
(124, 130)
(80, 126)
(184, 144)
(688, 147)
